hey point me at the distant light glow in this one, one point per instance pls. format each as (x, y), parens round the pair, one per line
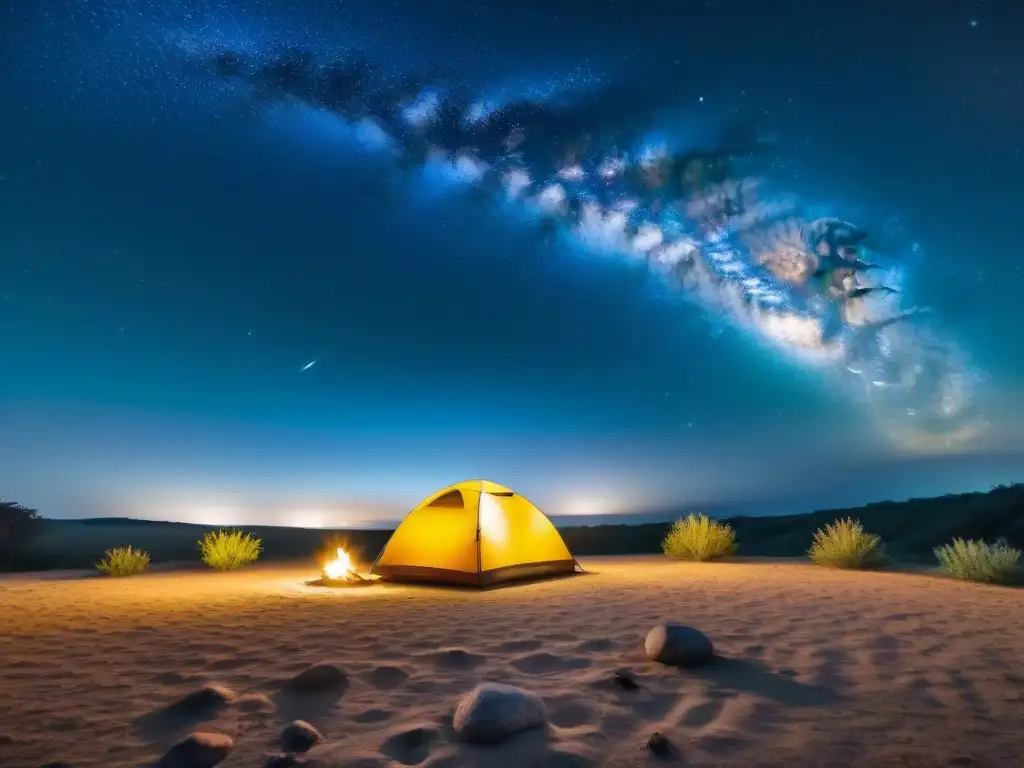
(219, 515)
(591, 505)
(309, 518)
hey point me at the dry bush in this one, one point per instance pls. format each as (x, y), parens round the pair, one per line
(229, 550)
(699, 538)
(19, 528)
(845, 544)
(974, 560)
(123, 561)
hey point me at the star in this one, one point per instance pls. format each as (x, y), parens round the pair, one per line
(972, 23)
(308, 365)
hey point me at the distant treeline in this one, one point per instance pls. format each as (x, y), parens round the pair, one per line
(910, 530)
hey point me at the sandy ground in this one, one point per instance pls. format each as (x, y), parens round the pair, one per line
(821, 668)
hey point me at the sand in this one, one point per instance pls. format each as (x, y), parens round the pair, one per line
(820, 668)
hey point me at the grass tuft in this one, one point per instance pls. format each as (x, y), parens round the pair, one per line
(845, 544)
(124, 561)
(699, 538)
(974, 560)
(229, 550)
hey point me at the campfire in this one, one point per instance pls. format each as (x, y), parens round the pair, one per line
(340, 571)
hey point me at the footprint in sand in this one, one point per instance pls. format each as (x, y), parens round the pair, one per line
(540, 663)
(386, 678)
(885, 651)
(423, 686)
(702, 714)
(558, 637)
(455, 659)
(519, 646)
(597, 645)
(721, 743)
(570, 714)
(373, 716)
(410, 747)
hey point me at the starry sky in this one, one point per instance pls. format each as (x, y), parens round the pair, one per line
(218, 308)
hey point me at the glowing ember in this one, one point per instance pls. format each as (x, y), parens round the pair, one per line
(340, 567)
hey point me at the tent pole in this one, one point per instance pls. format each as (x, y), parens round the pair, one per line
(479, 557)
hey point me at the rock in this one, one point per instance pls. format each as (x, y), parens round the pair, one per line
(492, 712)
(625, 681)
(199, 750)
(659, 745)
(254, 702)
(318, 678)
(203, 701)
(679, 646)
(299, 736)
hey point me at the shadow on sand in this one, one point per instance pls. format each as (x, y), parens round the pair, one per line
(737, 675)
(185, 714)
(471, 588)
(311, 695)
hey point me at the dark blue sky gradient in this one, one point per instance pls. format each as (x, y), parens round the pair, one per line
(172, 256)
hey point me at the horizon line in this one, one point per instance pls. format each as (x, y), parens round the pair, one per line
(644, 517)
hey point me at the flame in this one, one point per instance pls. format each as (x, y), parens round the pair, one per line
(340, 567)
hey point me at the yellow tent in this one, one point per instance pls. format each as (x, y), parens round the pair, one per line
(475, 532)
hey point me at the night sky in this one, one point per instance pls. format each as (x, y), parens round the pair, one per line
(221, 307)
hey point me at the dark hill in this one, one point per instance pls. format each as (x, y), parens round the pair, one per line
(910, 530)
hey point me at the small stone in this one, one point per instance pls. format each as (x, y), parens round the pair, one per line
(319, 678)
(299, 736)
(678, 646)
(493, 712)
(199, 750)
(625, 681)
(659, 745)
(254, 702)
(203, 701)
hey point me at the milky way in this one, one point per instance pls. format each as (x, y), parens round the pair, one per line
(812, 288)
(815, 289)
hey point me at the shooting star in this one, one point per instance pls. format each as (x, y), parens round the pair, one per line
(307, 366)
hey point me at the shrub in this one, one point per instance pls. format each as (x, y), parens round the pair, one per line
(19, 525)
(699, 538)
(973, 560)
(123, 561)
(845, 544)
(229, 550)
